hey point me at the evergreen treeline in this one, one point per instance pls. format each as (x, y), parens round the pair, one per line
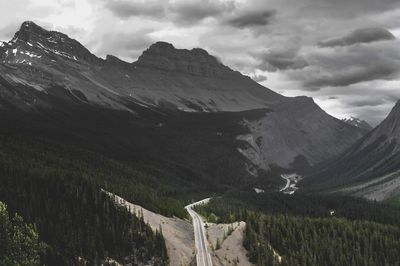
(75, 220)
(234, 205)
(51, 159)
(320, 241)
(19, 242)
(311, 229)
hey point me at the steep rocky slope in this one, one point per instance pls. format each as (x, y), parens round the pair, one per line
(368, 166)
(43, 71)
(297, 133)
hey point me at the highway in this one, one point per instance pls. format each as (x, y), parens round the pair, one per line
(291, 182)
(203, 257)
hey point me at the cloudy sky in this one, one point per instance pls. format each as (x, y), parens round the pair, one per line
(344, 53)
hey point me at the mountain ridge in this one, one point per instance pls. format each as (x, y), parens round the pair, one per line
(54, 68)
(371, 164)
(354, 121)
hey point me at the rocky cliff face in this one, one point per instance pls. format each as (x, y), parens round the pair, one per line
(375, 155)
(389, 129)
(50, 42)
(297, 130)
(198, 62)
(43, 69)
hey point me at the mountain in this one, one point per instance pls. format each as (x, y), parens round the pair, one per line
(162, 76)
(354, 121)
(47, 73)
(370, 167)
(297, 133)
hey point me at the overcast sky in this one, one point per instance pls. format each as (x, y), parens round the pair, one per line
(344, 53)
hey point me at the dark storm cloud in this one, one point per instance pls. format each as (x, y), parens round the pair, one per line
(273, 62)
(342, 67)
(282, 58)
(189, 12)
(352, 75)
(126, 9)
(366, 35)
(180, 12)
(251, 18)
(371, 101)
(343, 9)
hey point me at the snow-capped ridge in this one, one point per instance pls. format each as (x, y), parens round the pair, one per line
(31, 35)
(354, 121)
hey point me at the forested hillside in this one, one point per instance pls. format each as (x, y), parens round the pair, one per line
(320, 241)
(77, 222)
(310, 229)
(19, 242)
(236, 205)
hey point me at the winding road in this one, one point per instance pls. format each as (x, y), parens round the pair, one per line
(203, 257)
(291, 182)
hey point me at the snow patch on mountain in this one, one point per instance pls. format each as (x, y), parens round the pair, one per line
(354, 121)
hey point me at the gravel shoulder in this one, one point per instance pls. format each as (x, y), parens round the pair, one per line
(230, 237)
(178, 233)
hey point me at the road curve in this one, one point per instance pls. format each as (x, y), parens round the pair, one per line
(203, 257)
(291, 182)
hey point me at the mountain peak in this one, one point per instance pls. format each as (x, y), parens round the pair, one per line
(29, 31)
(389, 128)
(393, 120)
(354, 121)
(162, 46)
(32, 36)
(164, 56)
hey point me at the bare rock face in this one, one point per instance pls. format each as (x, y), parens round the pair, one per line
(52, 42)
(376, 154)
(388, 129)
(198, 62)
(298, 128)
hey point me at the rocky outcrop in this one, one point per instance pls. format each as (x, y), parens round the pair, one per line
(164, 56)
(298, 129)
(51, 42)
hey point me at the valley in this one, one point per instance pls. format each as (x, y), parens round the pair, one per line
(177, 159)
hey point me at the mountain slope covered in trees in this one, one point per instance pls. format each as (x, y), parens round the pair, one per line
(19, 242)
(309, 229)
(75, 219)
